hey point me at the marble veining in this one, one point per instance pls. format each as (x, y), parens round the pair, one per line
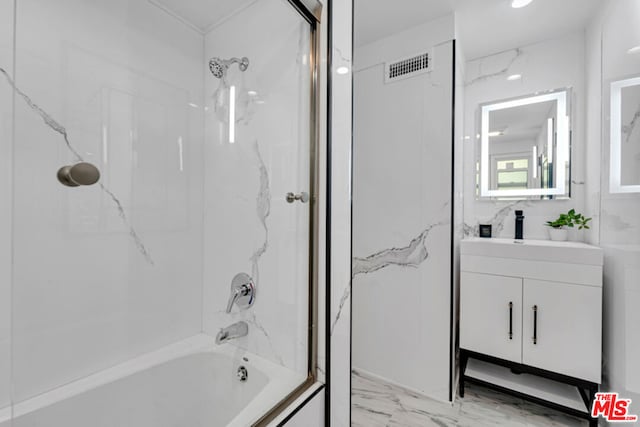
(412, 255)
(378, 403)
(341, 55)
(497, 220)
(627, 130)
(263, 209)
(517, 53)
(58, 128)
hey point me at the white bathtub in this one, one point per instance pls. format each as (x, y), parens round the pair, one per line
(189, 384)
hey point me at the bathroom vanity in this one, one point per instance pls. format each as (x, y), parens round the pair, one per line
(531, 320)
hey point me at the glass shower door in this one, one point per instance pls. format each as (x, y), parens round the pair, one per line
(258, 180)
(119, 289)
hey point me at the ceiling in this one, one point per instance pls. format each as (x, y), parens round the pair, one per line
(520, 123)
(376, 19)
(483, 26)
(202, 14)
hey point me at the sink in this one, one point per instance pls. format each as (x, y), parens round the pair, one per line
(540, 250)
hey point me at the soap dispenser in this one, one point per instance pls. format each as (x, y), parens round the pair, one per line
(519, 225)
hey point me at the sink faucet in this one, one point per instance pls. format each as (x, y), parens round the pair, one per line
(519, 224)
(237, 330)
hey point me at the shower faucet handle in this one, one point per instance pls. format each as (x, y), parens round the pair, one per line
(242, 292)
(82, 173)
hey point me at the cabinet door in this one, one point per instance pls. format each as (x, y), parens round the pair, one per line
(491, 315)
(567, 328)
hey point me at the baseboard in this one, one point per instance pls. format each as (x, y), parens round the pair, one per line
(366, 374)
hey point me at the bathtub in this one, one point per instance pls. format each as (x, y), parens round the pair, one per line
(192, 383)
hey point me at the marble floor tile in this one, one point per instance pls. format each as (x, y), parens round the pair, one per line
(377, 403)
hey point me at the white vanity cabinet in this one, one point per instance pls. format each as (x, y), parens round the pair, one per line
(532, 309)
(491, 315)
(569, 328)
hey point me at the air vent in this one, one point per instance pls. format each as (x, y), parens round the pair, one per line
(407, 67)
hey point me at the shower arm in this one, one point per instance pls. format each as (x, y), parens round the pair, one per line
(220, 66)
(243, 62)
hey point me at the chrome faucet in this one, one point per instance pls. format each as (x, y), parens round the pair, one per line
(242, 292)
(237, 330)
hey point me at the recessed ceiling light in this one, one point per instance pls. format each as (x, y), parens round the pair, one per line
(496, 133)
(517, 4)
(634, 49)
(342, 70)
(513, 77)
(252, 93)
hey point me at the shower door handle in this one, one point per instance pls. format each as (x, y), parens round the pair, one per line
(303, 197)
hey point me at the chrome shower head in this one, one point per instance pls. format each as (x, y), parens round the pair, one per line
(219, 66)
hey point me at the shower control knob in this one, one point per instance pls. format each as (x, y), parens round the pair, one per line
(82, 173)
(303, 197)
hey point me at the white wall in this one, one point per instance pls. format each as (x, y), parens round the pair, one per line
(544, 66)
(340, 156)
(246, 214)
(620, 214)
(120, 77)
(458, 203)
(593, 122)
(6, 147)
(402, 212)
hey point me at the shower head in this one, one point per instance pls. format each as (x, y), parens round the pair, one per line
(219, 66)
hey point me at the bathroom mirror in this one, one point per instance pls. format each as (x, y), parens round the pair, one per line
(625, 136)
(524, 146)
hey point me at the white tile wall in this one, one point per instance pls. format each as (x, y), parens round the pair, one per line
(402, 215)
(620, 215)
(340, 154)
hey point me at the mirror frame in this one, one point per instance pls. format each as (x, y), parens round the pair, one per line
(563, 155)
(615, 138)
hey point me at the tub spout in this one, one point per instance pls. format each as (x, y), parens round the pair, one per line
(237, 330)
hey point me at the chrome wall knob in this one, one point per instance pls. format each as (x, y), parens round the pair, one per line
(82, 173)
(292, 197)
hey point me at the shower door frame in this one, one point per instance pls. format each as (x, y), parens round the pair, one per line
(310, 11)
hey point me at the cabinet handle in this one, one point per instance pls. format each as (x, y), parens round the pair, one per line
(535, 324)
(510, 320)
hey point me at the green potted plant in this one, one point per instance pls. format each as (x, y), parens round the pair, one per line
(559, 228)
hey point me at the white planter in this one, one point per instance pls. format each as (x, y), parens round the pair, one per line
(576, 235)
(558, 234)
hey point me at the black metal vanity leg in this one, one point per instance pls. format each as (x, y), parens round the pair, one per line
(592, 396)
